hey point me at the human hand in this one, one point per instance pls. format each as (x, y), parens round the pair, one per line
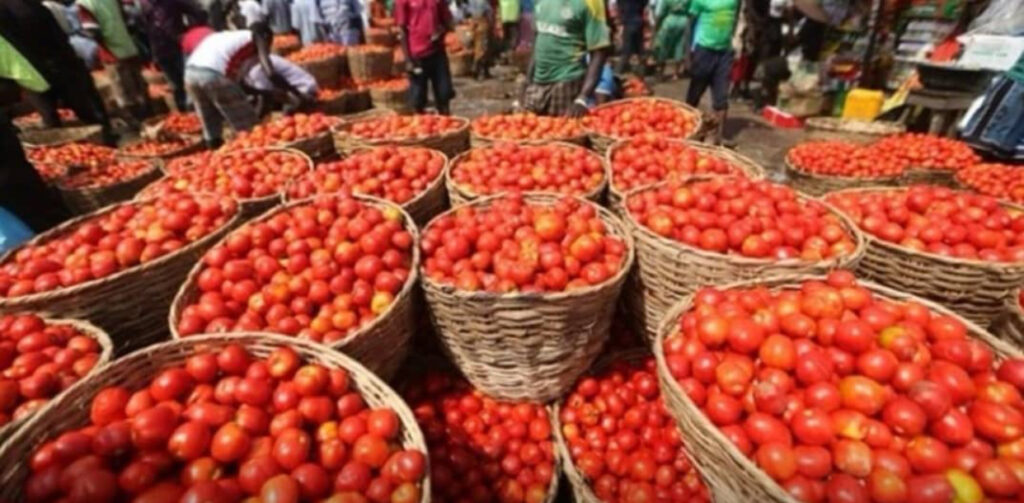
(578, 108)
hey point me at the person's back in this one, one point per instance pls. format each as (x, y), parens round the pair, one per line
(224, 52)
(566, 29)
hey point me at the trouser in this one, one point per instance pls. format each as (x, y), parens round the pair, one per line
(76, 90)
(710, 68)
(22, 190)
(436, 73)
(632, 43)
(131, 91)
(173, 66)
(216, 99)
(510, 31)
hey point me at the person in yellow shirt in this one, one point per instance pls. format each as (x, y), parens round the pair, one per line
(22, 191)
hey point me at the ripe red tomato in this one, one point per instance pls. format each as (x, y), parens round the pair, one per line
(638, 117)
(512, 167)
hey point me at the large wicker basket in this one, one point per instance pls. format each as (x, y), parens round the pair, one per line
(451, 143)
(369, 63)
(929, 176)
(327, 71)
(461, 195)
(380, 345)
(106, 351)
(391, 99)
(130, 304)
(194, 145)
(854, 126)
(1009, 325)
(426, 205)
(527, 346)
(384, 37)
(82, 200)
(349, 101)
(975, 289)
(818, 185)
(62, 135)
(479, 140)
(746, 166)
(318, 146)
(730, 475)
(600, 141)
(461, 63)
(668, 270)
(71, 410)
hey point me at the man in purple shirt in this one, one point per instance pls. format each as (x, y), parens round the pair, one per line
(165, 22)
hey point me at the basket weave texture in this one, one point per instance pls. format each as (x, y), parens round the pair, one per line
(59, 136)
(530, 346)
(391, 99)
(459, 195)
(83, 200)
(874, 128)
(668, 270)
(71, 410)
(349, 101)
(367, 64)
(975, 289)
(106, 352)
(729, 474)
(326, 71)
(1009, 325)
(380, 345)
(451, 143)
(818, 185)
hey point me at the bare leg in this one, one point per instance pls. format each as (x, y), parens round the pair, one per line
(720, 116)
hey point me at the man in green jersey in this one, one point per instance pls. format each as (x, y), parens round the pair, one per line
(712, 55)
(559, 81)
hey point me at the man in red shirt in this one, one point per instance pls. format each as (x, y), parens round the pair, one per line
(423, 24)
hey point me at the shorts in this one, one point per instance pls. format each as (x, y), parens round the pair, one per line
(710, 68)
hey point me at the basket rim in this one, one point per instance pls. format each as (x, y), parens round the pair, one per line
(668, 384)
(835, 124)
(434, 184)
(474, 134)
(358, 372)
(7, 303)
(289, 145)
(74, 134)
(193, 144)
(158, 124)
(698, 122)
(544, 198)
(246, 201)
(860, 240)
(470, 195)
(153, 168)
(189, 284)
(951, 261)
(749, 167)
(793, 168)
(343, 128)
(319, 61)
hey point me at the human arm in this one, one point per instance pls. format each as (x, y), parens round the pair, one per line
(401, 20)
(597, 60)
(597, 37)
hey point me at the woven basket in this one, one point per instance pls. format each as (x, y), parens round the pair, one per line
(349, 101)
(975, 289)
(818, 185)
(247, 208)
(854, 126)
(459, 195)
(382, 37)
(451, 143)
(1009, 325)
(129, 304)
(380, 345)
(601, 142)
(520, 346)
(427, 204)
(194, 146)
(729, 474)
(318, 146)
(82, 200)
(391, 99)
(461, 63)
(153, 129)
(326, 71)
(31, 124)
(747, 166)
(62, 135)
(928, 176)
(668, 270)
(106, 351)
(134, 371)
(369, 64)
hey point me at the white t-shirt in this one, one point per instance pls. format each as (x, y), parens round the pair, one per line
(294, 74)
(252, 11)
(223, 50)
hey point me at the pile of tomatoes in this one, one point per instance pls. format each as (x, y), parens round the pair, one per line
(627, 119)
(38, 360)
(405, 126)
(243, 174)
(651, 158)
(319, 270)
(283, 131)
(937, 220)
(836, 158)
(997, 180)
(397, 174)
(72, 154)
(316, 52)
(634, 87)
(106, 174)
(502, 167)
(34, 119)
(396, 84)
(730, 215)
(917, 150)
(186, 123)
(623, 441)
(517, 245)
(526, 126)
(127, 236)
(285, 41)
(840, 395)
(225, 426)
(154, 148)
(482, 449)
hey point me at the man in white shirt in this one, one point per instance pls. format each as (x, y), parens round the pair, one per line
(258, 83)
(252, 11)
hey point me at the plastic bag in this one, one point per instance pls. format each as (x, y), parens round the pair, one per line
(13, 231)
(1002, 17)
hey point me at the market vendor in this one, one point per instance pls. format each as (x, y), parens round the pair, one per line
(558, 81)
(712, 56)
(258, 83)
(997, 125)
(213, 73)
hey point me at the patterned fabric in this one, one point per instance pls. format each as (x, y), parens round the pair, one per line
(552, 99)
(218, 99)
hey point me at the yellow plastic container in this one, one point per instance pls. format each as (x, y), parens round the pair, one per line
(863, 104)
